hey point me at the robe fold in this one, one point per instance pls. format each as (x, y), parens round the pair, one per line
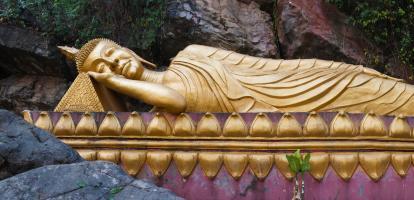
(218, 80)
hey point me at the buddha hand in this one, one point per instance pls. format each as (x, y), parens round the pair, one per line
(101, 77)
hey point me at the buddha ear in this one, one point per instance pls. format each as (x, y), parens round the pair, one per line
(69, 52)
(147, 63)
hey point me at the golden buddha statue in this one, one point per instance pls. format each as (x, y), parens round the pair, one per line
(207, 79)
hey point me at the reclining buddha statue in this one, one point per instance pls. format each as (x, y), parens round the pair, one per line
(208, 79)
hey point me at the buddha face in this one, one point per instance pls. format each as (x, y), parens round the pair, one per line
(109, 57)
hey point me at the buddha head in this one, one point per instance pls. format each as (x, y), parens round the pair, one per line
(104, 55)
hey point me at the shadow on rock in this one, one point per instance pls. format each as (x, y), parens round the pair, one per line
(24, 147)
(85, 180)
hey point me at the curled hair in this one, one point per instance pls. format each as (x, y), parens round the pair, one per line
(87, 49)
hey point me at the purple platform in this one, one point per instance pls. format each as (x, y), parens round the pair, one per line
(276, 186)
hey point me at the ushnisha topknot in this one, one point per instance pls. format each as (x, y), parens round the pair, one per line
(86, 49)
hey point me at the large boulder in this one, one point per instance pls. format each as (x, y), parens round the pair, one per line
(30, 92)
(230, 24)
(24, 147)
(85, 180)
(314, 28)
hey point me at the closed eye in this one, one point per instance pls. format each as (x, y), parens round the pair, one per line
(109, 51)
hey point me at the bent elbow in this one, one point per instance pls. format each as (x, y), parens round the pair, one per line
(175, 103)
(179, 105)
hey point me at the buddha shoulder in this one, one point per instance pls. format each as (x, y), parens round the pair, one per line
(172, 80)
(199, 51)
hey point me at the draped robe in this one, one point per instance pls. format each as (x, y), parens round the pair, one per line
(218, 80)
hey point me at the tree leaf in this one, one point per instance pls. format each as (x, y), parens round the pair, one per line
(294, 163)
(297, 154)
(305, 165)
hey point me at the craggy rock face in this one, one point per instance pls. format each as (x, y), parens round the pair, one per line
(308, 29)
(31, 92)
(24, 147)
(85, 180)
(298, 29)
(229, 24)
(24, 51)
(33, 74)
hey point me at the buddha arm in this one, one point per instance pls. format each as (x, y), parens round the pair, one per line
(151, 93)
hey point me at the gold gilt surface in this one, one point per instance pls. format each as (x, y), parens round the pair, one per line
(207, 79)
(374, 164)
(81, 96)
(341, 127)
(369, 143)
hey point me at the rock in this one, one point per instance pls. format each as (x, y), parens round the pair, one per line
(24, 147)
(25, 51)
(314, 28)
(29, 92)
(85, 180)
(260, 2)
(133, 24)
(229, 24)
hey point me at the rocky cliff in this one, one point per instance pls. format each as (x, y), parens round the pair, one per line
(33, 75)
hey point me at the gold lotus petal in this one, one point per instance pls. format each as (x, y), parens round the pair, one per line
(375, 164)
(185, 162)
(132, 161)
(315, 125)
(282, 165)
(319, 163)
(344, 164)
(159, 126)
(235, 126)
(342, 126)
(210, 163)
(184, 125)
(110, 125)
(134, 125)
(65, 125)
(261, 126)
(372, 125)
(261, 164)
(108, 155)
(87, 125)
(27, 116)
(158, 162)
(86, 154)
(288, 126)
(412, 158)
(44, 122)
(399, 127)
(401, 163)
(235, 164)
(208, 126)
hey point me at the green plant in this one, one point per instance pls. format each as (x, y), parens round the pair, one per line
(115, 191)
(387, 22)
(81, 184)
(299, 164)
(73, 22)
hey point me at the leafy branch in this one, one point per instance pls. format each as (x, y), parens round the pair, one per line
(299, 164)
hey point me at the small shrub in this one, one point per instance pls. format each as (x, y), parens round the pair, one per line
(389, 23)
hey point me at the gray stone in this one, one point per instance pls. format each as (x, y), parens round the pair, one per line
(29, 92)
(85, 180)
(316, 29)
(24, 147)
(25, 51)
(228, 24)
